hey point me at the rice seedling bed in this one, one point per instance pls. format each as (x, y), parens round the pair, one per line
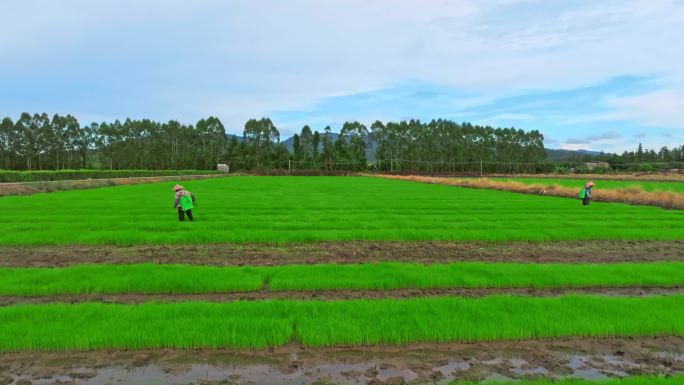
(307, 209)
(178, 279)
(315, 323)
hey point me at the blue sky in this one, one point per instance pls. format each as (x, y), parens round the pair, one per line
(601, 75)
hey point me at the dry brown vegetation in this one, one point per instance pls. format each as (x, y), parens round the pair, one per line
(631, 195)
(661, 177)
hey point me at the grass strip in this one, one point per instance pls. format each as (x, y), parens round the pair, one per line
(386, 276)
(307, 209)
(122, 279)
(193, 279)
(632, 380)
(318, 323)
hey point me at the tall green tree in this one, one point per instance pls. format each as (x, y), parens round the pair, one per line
(357, 135)
(262, 136)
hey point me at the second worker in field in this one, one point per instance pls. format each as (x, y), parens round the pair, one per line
(184, 201)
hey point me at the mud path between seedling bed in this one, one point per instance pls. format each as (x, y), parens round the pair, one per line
(348, 252)
(331, 295)
(592, 358)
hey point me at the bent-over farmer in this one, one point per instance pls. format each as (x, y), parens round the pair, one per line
(586, 196)
(185, 201)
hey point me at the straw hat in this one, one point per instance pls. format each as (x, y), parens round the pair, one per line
(178, 187)
(590, 184)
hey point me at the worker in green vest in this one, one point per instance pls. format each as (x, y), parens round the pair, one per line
(185, 201)
(585, 193)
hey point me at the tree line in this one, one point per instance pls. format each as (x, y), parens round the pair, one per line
(41, 142)
(641, 155)
(437, 146)
(38, 142)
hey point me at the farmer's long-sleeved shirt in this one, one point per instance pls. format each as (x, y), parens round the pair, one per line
(181, 193)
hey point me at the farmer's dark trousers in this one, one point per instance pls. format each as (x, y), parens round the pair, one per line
(181, 214)
(585, 201)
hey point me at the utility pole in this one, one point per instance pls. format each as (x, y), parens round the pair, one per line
(480, 168)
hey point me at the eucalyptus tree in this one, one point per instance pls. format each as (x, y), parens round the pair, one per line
(261, 136)
(357, 135)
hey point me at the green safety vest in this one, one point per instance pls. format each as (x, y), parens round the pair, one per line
(186, 202)
(583, 193)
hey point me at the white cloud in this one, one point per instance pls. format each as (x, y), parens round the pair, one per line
(659, 109)
(242, 59)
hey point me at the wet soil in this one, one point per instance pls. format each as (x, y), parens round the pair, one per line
(330, 295)
(348, 252)
(590, 358)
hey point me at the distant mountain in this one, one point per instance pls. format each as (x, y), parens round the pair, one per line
(552, 154)
(289, 142)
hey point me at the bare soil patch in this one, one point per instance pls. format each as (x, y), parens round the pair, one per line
(30, 188)
(348, 252)
(331, 295)
(594, 358)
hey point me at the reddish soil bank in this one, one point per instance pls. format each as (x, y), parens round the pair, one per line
(349, 252)
(30, 188)
(594, 358)
(330, 295)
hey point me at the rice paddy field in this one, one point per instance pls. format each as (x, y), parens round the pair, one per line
(350, 280)
(309, 209)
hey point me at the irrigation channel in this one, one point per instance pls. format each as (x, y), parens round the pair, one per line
(592, 359)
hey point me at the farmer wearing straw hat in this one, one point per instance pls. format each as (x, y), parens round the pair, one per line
(185, 201)
(585, 193)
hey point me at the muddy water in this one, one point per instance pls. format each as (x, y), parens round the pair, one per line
(593, 359)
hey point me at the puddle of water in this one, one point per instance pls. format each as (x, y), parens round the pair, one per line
(538, 370)
(674, 355)
(152, 375)
(406, 374)
(581, 369)
(517, 362)
(576, 362)
(451, 367)
(349, 368)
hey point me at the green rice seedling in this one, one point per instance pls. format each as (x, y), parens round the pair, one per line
(170, 279)
(121, 279)
(184, 325)
(487, 318)
(308, 209)
(318, 323)
(386, 276)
